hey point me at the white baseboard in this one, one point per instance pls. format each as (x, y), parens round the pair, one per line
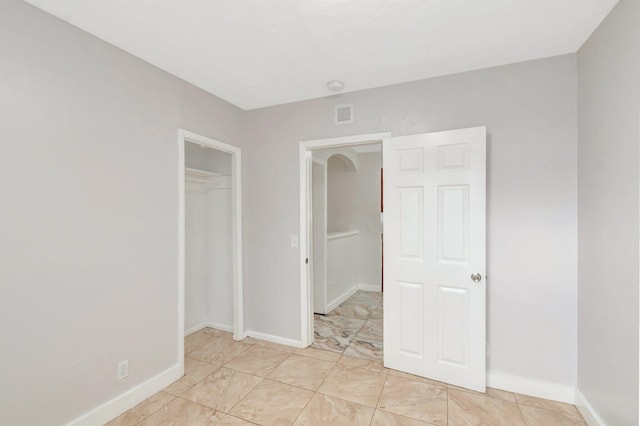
(118, 405)
(532, 387)
(275, 339)
(344, 296)
(370, 287)
(219, 326)
(588, 413)
(193, 329)
(215, 325)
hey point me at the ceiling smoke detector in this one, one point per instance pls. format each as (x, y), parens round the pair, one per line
(335, 85)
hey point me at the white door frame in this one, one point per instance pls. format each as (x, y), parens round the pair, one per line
(236, 223)
(306, 307)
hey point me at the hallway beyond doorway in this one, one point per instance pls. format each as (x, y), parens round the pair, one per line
(353, 328)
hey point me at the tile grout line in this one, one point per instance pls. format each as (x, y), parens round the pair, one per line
(247, 348)
(305, 407)
(446, 389)
(379, 396)
(368, 317)
(524, 420)
(245, 395)
(448, 401)
(154, 411)
(271, 380)
(215, 410)
(255, 374)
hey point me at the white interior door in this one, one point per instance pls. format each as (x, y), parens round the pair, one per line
(434, 251)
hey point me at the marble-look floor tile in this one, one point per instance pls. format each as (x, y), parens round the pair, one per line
(354, 384)
(349, 329)
(325, 410)
(302, 371)
(468, 409)
(367, 364)
(377, 313)
(318, 354)
(334, 333)
(352, 310)
(328, 344)
(371, 331)
(344, 325)
(420, 401)
(181, 412)
(545, 403)
(382, 418)
(367, 298)
(272, 403)
(365, 349)
(218, 350)
(194, 372)
(535, 416)
(257, 360)
(223, 389)
(143, 410)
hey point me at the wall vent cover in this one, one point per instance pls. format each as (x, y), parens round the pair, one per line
(343, 114)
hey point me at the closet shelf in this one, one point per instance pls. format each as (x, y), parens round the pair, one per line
(342, 234)
(200, 173)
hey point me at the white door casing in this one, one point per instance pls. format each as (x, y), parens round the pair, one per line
(435, 232)
(304, 162)
(185, 136)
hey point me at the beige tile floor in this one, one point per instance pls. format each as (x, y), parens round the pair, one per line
(256, 382)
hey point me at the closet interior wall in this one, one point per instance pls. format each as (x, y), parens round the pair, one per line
(208, 239)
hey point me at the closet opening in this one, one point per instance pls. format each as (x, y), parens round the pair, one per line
(210, 264)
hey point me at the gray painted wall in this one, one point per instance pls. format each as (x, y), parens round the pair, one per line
(88, 223)
(530, 112)
(608, 158)
(89, 180)
(369, 165)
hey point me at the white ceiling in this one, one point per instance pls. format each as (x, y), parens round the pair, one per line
(257, 53)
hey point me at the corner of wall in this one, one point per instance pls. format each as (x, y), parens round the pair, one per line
(588, 412)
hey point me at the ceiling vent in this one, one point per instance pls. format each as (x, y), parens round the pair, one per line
(343, 114)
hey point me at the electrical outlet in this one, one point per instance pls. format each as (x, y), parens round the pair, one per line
(123, 369)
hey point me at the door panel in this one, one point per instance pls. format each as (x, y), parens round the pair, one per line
(411, 311)
(453, 223)
(453, 318)
(435, 196)
(411, 222)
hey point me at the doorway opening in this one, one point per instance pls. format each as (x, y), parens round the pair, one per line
(341, 245)
(210, 235)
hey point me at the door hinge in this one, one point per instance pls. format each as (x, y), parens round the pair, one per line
(306, 261)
